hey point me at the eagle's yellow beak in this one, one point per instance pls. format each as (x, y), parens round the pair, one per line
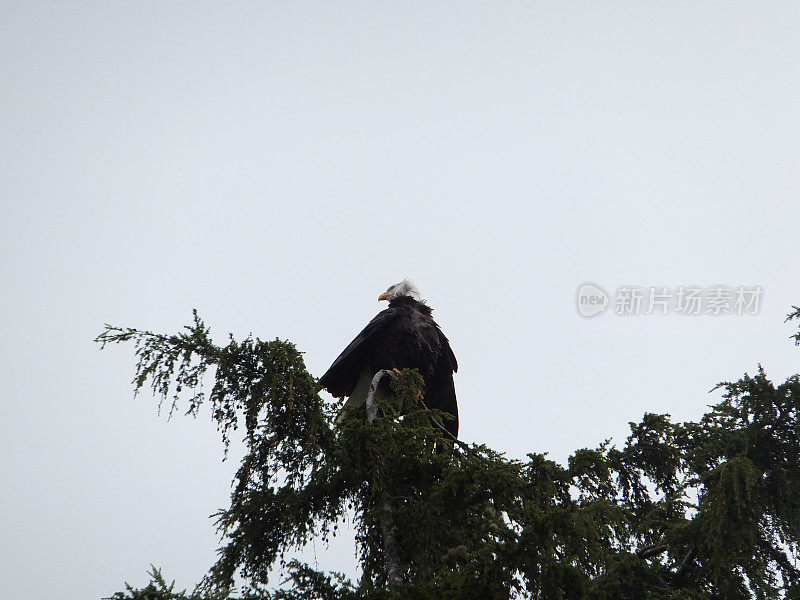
(383, 296)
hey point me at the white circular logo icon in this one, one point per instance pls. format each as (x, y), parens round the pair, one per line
(592, 300)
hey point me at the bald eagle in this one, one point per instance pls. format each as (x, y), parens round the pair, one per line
(402, 336)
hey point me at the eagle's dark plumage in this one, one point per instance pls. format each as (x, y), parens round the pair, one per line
(402, 336)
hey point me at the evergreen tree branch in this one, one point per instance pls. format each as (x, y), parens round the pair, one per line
(714, 502)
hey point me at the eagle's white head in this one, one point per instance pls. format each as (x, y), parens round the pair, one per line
(404, 288)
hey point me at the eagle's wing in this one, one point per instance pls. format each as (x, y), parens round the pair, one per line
(341, 379)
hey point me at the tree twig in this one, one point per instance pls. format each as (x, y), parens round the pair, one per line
(652, 550)
(686, 562)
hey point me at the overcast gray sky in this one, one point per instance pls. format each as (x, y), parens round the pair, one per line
(277, 165)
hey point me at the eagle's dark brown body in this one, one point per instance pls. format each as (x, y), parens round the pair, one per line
(402, 336)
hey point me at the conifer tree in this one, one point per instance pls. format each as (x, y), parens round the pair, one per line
(693, 510)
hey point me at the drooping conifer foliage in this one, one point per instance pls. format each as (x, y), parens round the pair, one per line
(695, 510)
